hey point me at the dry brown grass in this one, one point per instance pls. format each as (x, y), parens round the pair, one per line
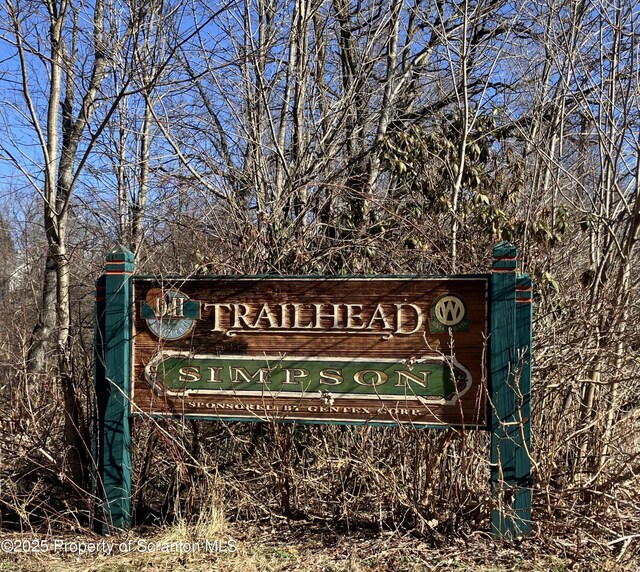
(309, 547)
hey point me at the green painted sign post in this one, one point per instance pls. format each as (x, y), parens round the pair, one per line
(113, 378)
(510, 391)
(351, 355)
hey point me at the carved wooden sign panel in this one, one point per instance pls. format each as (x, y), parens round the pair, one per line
(350, 350)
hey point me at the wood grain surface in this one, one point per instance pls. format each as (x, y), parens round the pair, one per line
(363, 324)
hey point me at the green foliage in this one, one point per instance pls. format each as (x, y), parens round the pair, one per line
(547, 228)
(426, 157)
(424, 160)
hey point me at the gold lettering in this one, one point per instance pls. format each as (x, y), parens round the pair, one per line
(172, 307)
(177, 307)
(400, 319)
(189, 374)
(214, 375)
(291, 375)
(354, 313)
(379, 315)
(265, 314)
(297, 315)
(370, 377)
(238, 372)
(409, 317)
(161, 307)
(331, 377)
(405, 376)
(284, 316)
(217, 314)
(333, 315)
(240, 314)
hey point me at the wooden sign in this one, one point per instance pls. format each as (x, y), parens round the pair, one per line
(418, 351)
(355, 350)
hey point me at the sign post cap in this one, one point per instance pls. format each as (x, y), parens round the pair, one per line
(505, 249)
(120, 252)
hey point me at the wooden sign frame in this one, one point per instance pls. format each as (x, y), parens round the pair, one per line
(333, 349)
(312, 351)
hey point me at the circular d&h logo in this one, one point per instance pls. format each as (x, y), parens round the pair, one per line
(170, 314)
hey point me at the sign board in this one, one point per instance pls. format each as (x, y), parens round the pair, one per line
(418, 351)
(349, 350)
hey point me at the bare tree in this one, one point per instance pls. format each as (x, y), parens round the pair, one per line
(74, 46)
(330, 137)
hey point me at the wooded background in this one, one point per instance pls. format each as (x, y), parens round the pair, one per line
(325, 137)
